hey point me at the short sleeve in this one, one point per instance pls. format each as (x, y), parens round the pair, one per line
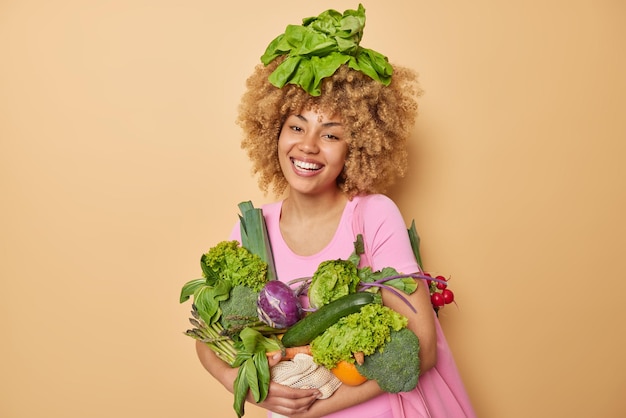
(386, 234)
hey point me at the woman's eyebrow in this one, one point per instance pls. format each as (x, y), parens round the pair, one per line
(325, 124)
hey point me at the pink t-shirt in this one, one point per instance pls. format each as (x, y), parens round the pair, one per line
(386, 239)
(382, 226)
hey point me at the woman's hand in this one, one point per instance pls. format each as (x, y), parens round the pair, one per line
(288, 401)
(285, 400)
(280, 399)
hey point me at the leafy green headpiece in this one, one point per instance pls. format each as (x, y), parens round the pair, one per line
(318, 47)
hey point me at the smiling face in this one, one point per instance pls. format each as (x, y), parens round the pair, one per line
(312, 151)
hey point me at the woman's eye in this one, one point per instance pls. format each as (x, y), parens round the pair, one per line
(296, 128)
(331, 137)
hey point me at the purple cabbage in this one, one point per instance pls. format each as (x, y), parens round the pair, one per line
(278, 306)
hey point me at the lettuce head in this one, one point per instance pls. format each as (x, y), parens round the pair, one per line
(332, 280)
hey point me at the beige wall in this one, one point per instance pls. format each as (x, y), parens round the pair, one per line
(120, 165)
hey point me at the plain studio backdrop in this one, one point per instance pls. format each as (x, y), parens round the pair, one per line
(120, 165)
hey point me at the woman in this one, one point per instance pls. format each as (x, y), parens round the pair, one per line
(330, 146)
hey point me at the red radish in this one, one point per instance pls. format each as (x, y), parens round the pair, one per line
(441, 285)
(448, 296)
(437, 300)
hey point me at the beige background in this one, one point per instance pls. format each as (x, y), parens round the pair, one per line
(120, 165)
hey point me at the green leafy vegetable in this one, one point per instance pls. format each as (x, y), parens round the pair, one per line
(207, 300)
(405, 284)
(229, 261)
(364, 331)
(254, 372)
(332, 280)
(241, 387)
(190, 288)
(318, 47)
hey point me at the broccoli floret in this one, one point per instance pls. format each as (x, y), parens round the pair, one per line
(240, 307)
(228, 260)
(332, 280)
(396, 366)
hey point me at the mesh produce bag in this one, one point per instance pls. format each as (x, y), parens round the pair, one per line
(303, 373)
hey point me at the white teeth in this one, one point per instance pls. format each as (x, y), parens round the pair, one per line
(306, 166)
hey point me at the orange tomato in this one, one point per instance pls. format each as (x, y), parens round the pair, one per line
(348, 374)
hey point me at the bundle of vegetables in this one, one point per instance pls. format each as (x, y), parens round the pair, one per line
(239, 308)
(349, 326)
(225, 300)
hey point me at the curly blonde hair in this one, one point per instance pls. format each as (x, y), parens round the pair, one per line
(377, 121)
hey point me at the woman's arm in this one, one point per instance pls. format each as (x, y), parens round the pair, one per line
(421, 323)
(280, 399)
(389, 245)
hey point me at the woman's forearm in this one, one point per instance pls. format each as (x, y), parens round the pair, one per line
(422, 322)
(280, 399)
(221, 371)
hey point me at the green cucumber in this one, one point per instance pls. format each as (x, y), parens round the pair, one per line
(312, 325)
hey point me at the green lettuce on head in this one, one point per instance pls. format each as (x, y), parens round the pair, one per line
(317, 48)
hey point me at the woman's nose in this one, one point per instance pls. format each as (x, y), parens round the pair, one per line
(309, 144)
